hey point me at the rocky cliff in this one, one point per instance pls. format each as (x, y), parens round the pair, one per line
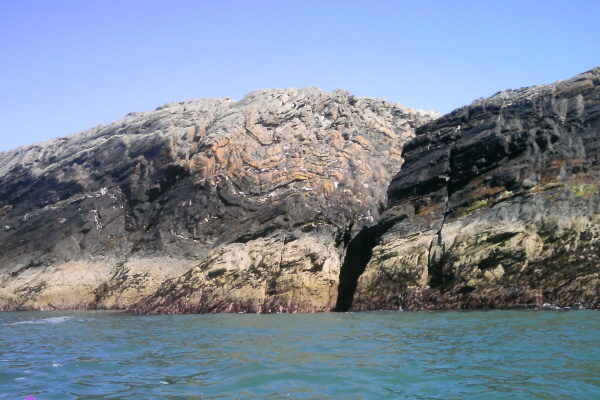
(301, 201)
(496, 205)
(200, 206)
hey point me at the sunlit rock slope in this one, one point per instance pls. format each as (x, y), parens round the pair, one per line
(200, 206)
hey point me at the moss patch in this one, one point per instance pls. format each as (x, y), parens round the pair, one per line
(584, 190)
(478, 205)
(550, 186)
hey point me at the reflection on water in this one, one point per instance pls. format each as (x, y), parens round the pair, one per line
(428, 355)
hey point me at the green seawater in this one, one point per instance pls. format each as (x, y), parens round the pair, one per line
(382, 355)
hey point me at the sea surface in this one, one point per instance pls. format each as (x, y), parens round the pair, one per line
(378, 355)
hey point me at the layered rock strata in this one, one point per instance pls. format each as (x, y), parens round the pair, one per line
(200, 206)
(282, 202)
(496, 205)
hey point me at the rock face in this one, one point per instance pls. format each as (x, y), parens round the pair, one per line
(497, 205)
(301, 201)
(200, 206)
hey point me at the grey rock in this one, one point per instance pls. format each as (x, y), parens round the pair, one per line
(299, 201)
(147, 210)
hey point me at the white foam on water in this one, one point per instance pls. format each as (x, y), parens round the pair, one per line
(56, 320)
(551, 306)
(51, 320)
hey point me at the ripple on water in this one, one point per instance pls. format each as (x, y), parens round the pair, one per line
(429, 355)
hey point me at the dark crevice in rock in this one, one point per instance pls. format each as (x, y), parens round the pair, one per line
(117, 278)
(344, 236)
(154, 221)
(32, 264)
(435, 260)
(256, 234)
(167, 180)
(358, 255)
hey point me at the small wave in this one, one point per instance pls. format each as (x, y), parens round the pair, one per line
(56, 320)
(51, 320)
(550, 305)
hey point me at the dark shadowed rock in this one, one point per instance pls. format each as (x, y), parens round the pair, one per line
(496, 205)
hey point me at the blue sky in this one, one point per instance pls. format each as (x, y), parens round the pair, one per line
(66, 66)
